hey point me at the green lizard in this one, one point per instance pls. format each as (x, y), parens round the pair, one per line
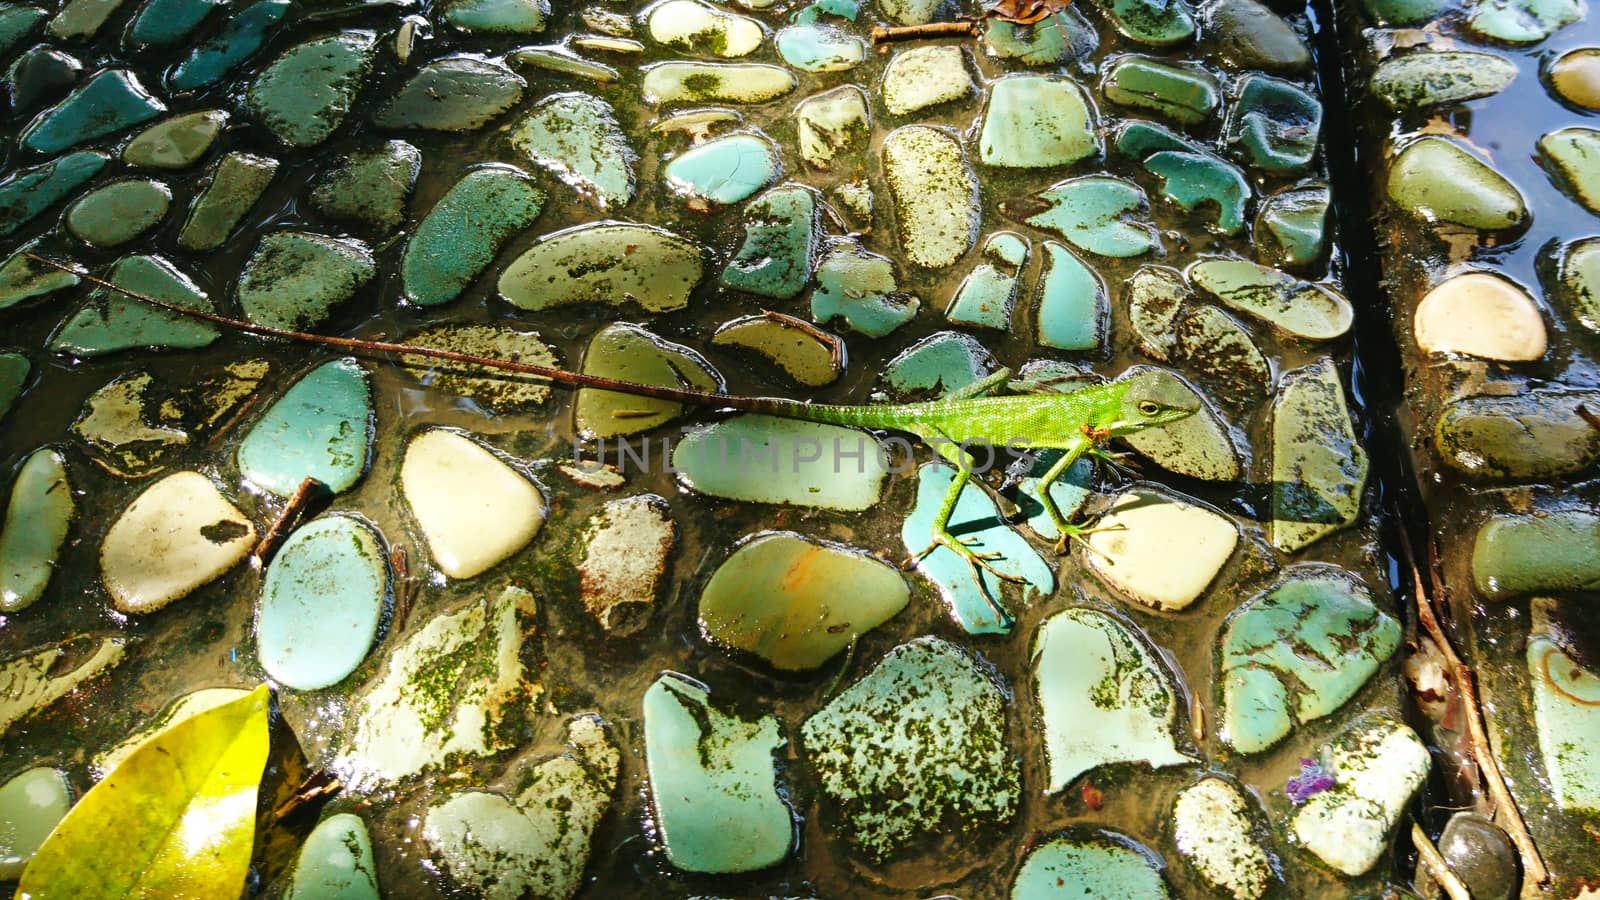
(1076, 423)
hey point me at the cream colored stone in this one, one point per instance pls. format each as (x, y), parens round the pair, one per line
(474, 510)
(1478, 314)
(1159, 550)
(177, 536)
(925, 76)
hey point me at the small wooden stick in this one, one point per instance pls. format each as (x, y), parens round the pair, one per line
(233, 419)
(1437, 869)
(889, 34)
(1589, 415)
(408, 587)
(286, 520)
(834, 344)
(317, 786)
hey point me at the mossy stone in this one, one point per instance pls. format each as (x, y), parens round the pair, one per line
(296, 279)
(370, 187)
(118, 212)
(237, 182)
(303, 96)
(460, 236)
(457, 93)
(110, 101)
(176, 143)
(1437, 181)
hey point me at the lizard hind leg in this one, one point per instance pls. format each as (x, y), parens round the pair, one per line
(941, 537)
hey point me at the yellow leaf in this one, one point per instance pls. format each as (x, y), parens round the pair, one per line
(175, 820)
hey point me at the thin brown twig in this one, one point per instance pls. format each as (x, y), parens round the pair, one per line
(1589, 415)
(233, 419)
(1437, 869)
(888, 34)
(408, 587)
(316, 786)
(834, 344)
(298, 501)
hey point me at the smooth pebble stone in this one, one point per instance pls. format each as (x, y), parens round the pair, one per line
(303, 96)
(935, 195)
(1155, 295)
(1103, 698)
(1057, 39)
(1572, 156)
(921, 77)
(39, 75)
(940, 363)
(320, 428)
(1034, 121)
(498, 16)
(861, 288)
(1181, 93)
(1527, 437)
(1215, 830)
(988, 293)
(163, 23)
(1197, 446)
(179, 710)
(796, 602)
(1319, 468)
(23, 279)
(1575, 77)
(1158, 550)
(718, 810)
(1523, 21)
(1192, 180)
(1298, 652)
(695, 27)
(576, 138)
(1153, 22)
(1249, 35)
(452, 690)
(909, 12)
(629, 353)
(474, 510)
(1557, 551)
(1578, 282)
(1479, 314)
(808, 355)
(786, 462)
(1376, 766)
(1138, 139)
(295, 279)
(917, 742)
(31, 680)
(626, 546)
(1566, 714)
(28, 192)
(1104, 866)
(31, 804)
(1071, 309)
(581, 266)
(78, 19)
(1275, 124)
(1419, 81)
(457, 93)
(1103, 215)
(725, 170)
(832, 125)
(1480, 853)
(176, 143)
(112, 321)
(335, 862)
(110, 101)
(696, 82)
(177, 536)
(1437, 181)
(16, 23)
(38, 515)
(320, 602)
(820, 48)
(464, 231)
(237, 182)
(1300, 308)
(118, 212)
(483, 386)
(1291, 227)
(698, 125)
(14, 368)
(1404, 12)
(538, 842)
(128, 431)
(557, 58)
(370, 187)
(239, 39)
(855, 200)
(781, 237)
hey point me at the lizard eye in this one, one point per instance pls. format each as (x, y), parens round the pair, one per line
(1149, 407)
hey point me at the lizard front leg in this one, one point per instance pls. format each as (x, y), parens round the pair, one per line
(1066, 530)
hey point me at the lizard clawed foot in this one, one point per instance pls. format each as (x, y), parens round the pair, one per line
(964, 550)
(1079, 533)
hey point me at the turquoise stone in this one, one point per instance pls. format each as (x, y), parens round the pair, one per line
(713, 781)
(988, 293)
(23, 279)
(1191, 180)
(942, 362)
(1103, 215)
(1138, 139)
(1566, 711)
(861, 288)
(296, 279)
(237, 182)
(107, 103)
(1034, 121)
(1073, 311)
(457, 93)
(1059, 38)
(464, 230)
(1275, 124)
(1181, 93)
(38, 516)
(16, 23)
(1437, 181)
(1424, 80)
(1319, 469)
(761, 459)
(320, 428)
(335, 862)
(1159, 23)
(240, 38)
(162, 23)
(1404, 12)
(576, 138)
(917, 743)
(1572, 155)
(1523, 21)
(581, 266)
(1298, 652)
(983, 528)
(320, 602)
(14, 368)
(820, 48)
(111, 321)
(176, 143)
(498, 16)
(781, 233)
(1291, 227)
(31, 804)
(1104, 866)
(725, 170)
(303, 96)
(370, 187)
(1557, 551)
(118, 212)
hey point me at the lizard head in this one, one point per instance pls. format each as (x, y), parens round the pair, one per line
(1154, 397)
